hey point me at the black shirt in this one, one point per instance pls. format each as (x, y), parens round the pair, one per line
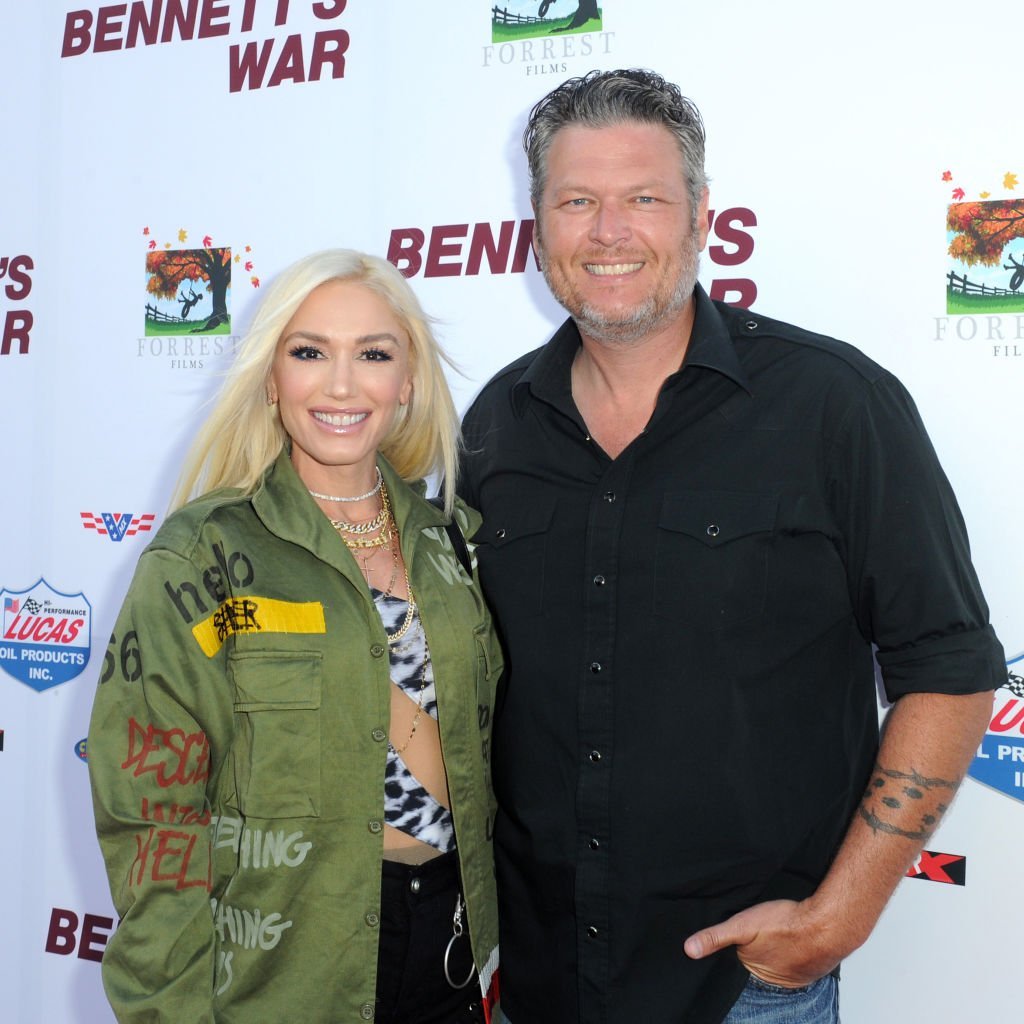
(690, 716)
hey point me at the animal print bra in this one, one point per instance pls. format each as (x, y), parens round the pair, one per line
(407, 804)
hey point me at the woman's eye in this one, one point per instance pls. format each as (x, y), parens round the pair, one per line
(305, 352)
(376, 355)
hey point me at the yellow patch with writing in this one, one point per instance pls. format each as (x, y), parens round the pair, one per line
(257, 615)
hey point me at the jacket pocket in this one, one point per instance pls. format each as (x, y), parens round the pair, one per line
(277, 732)
(712, 557)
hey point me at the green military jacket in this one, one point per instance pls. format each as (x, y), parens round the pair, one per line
(237, 752)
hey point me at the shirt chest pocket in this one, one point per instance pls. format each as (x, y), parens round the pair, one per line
(276, 751)
(712, 557)
(511, 551)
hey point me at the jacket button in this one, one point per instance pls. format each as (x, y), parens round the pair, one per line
(595, 756)
(379, 735)
(592, 932)
(414, 885)
(500, 534)
(366, 1011)
(594, 844)
(599, 580)
(377, 650)
(375, 827)
(609, 496)
(713, 531)
(751, 325)
(372, 919)
(595, 667)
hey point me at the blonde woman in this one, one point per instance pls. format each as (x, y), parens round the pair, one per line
(288, 748)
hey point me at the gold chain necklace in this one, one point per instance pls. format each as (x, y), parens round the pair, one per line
(419, 703)
(381, 521)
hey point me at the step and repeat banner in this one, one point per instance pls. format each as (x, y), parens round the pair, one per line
(164, 159)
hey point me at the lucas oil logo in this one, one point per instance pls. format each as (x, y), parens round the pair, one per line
(45, 635)
(1000, 759)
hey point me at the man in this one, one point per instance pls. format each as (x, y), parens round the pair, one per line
(697, 523)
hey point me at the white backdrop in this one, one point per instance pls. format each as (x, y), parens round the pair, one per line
(837, 139)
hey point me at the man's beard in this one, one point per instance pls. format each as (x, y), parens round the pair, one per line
(630, 325)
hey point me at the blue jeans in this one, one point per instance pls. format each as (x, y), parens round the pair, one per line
(761, 1003)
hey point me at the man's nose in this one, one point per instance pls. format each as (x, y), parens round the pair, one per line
(610, 225)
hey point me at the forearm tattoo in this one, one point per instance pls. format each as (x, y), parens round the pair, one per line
(892, 797)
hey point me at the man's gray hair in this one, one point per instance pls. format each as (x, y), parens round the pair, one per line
(601, 99)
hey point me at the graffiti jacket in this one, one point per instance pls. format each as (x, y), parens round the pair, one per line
(237, 752)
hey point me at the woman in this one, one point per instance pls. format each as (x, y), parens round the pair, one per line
(294, 718)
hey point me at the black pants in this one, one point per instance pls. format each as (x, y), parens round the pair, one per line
(417, 903)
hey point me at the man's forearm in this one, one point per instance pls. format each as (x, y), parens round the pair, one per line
(927, 744)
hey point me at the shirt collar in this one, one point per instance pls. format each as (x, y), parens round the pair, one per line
(548, 376)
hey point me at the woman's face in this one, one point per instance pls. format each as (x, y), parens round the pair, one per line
(340, 373)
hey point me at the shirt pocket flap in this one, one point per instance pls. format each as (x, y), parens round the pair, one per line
(513, 523)
(276, 680)
(718, 517)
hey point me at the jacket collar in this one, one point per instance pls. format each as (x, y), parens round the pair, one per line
(284, 506)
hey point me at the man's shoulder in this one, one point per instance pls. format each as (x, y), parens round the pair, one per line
(501, 383)
(811, 348)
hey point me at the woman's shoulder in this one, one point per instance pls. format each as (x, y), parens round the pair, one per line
(182, 531)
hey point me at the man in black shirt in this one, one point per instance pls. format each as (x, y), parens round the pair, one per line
(698, 523)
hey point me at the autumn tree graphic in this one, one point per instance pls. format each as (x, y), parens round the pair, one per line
(982, 231)
(168, 270)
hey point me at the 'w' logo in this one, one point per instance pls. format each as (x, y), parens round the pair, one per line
(117, 525)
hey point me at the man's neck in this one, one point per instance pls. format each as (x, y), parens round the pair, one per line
(616, 384)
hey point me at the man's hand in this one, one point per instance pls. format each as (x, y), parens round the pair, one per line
(927, 744)
(781, 942)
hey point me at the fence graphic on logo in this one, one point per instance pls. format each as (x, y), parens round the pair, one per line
(531, 19)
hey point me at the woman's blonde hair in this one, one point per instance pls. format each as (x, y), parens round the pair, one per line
(243, 435)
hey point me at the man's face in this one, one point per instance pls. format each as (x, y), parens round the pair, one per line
(614, 229)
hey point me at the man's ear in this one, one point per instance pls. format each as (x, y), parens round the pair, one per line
(703, 229)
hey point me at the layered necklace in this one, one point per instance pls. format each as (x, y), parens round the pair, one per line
(363, 539)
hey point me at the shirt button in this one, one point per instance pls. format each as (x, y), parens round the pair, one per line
(592, 932)
(379, 735)
(609, 496)
(595, 756)
(599, 580)
(366, 1011)
(595, 667)
(372, 919)
(375, 827)
(594, 844)
(414, 885)
(377, 650)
